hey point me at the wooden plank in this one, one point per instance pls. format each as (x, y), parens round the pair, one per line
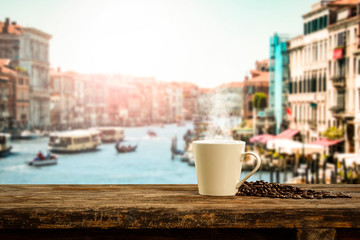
(152, 234)
(316, 234)
(168, 206)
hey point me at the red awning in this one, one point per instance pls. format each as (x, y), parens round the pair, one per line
(266, 138)
(255, 138)
(262, 138)
(326, 142)
(288, 134)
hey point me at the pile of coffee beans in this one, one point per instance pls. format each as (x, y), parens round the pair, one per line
(275, 190)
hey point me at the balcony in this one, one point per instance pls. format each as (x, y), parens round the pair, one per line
(338, 111)
(339, 81)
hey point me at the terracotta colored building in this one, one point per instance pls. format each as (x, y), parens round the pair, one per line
(14, 98)
(258, 82)
(190, 95)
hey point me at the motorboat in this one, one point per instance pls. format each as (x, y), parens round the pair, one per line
(152, 133)
(5, 147)
(52, 160)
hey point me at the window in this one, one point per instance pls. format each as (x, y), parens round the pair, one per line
(355, 33)
(325, 20)
(321, 25)
(250, 106)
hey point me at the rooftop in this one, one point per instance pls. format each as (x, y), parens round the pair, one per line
(10, 28)
(232, 85)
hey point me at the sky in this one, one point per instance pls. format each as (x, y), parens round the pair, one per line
(207, 42)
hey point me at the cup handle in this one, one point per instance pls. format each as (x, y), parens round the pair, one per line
(258, 159)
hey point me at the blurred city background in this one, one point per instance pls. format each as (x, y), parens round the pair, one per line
(115, 91)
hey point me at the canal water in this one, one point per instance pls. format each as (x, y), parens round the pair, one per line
(150, 164)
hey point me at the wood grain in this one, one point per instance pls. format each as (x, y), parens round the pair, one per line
(169, 207)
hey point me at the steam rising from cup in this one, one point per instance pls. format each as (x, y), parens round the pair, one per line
(216, 108)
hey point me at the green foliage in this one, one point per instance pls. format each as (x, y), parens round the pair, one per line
(333, 133)
(20, 69)
(259, 100)
(243, 123)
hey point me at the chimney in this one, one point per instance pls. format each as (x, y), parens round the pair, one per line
(6, 26)
(13, 23)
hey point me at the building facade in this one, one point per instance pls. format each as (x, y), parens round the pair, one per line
(62, 109)
(28, 48)
(22, 96)
(7, 96)
(308, 55)
(324, 70)
(190, 94)
(258, 82)
(343, 61)
(278, 94)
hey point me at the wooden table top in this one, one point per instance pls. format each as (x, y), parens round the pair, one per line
(168, 206)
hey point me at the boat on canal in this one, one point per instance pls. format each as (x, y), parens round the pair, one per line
(125, 149)
(111, 134)
(27, 135)
(151, 133)
(50, 160)
(5, 147)
(74, 141)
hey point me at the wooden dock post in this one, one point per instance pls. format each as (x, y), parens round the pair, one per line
(307, 171)
(317, 169)
(324, 172)
(336, 169)
(285, 169)
(345, 172)
(271, 168)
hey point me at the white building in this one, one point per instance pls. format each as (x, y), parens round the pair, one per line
(29, 49)
(308, 70)
(325, 72)
(344, 87)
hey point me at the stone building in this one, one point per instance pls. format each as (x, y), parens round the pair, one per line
(257, 82)
(324, 73)
(28, 48)
(62, 110)
(14, 98)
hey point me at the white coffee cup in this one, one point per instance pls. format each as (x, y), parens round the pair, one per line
(218, 166)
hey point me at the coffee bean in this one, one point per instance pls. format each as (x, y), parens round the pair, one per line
(275, 190)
